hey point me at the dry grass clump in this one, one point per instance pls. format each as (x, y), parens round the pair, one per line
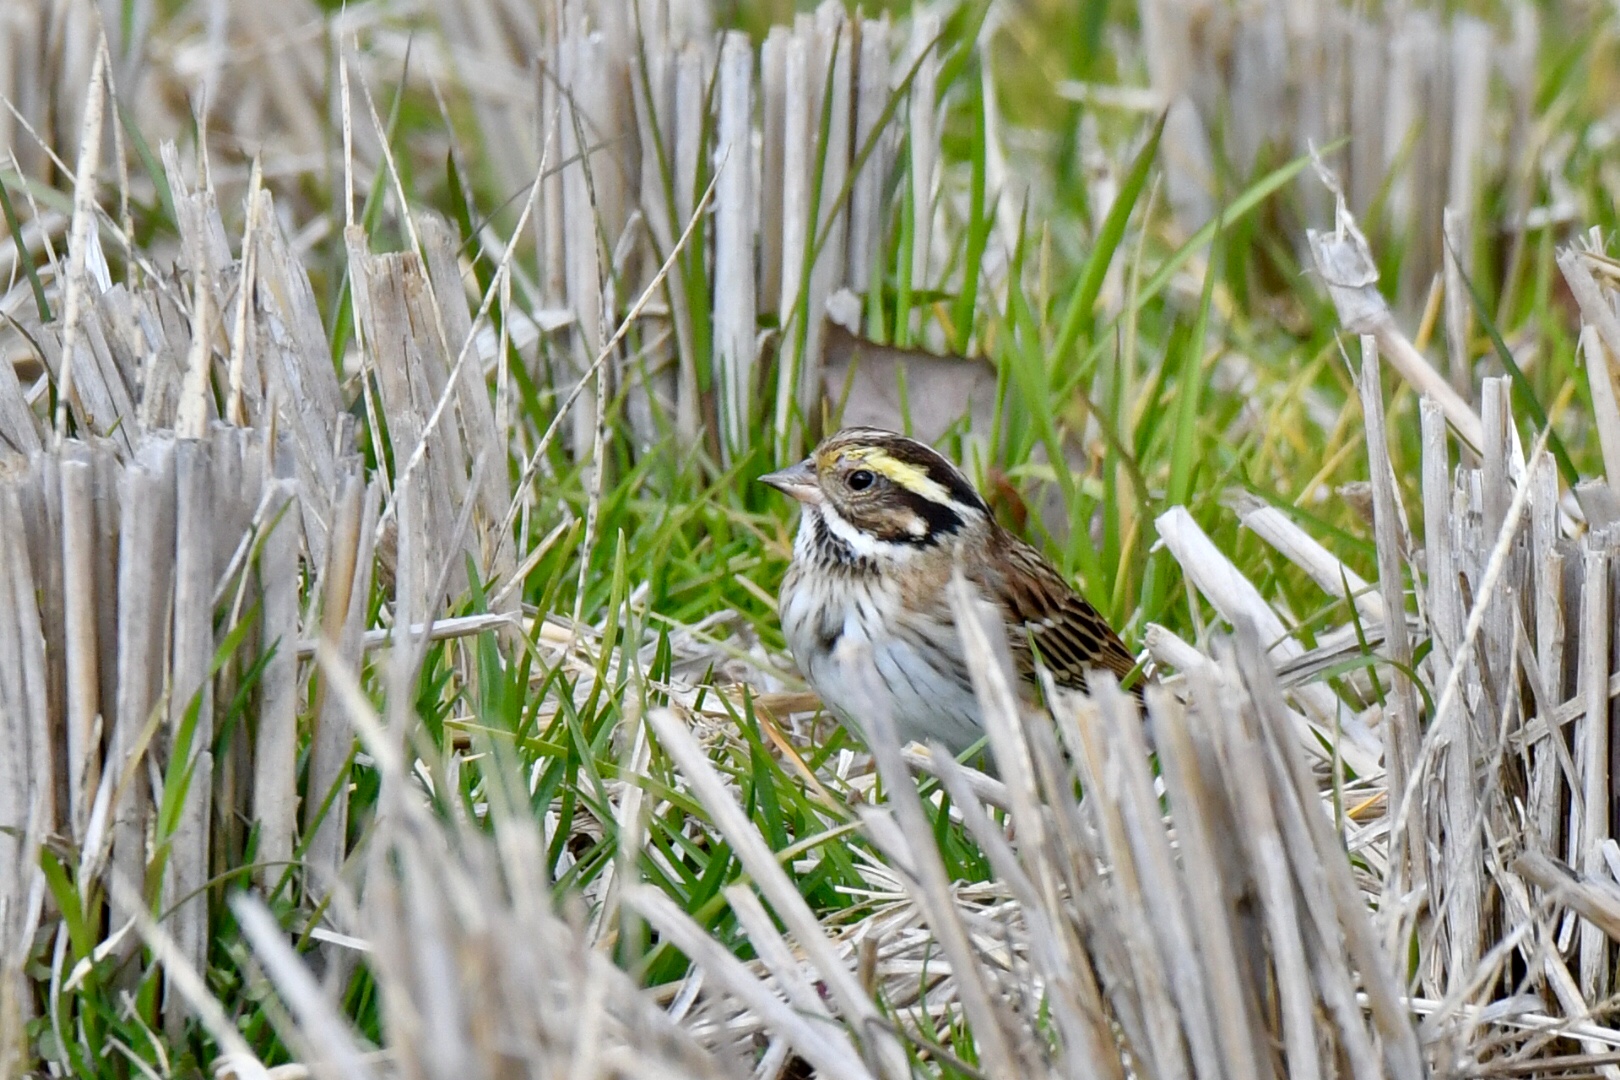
(289, 426)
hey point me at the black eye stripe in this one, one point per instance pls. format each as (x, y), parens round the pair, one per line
(940, 519)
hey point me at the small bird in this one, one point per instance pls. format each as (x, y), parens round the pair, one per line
(885, 519)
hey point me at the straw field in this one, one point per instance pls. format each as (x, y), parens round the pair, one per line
(390, 680)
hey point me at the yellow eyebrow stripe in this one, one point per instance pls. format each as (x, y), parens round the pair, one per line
(907, 475)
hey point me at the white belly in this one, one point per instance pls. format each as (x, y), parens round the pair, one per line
(862, 670)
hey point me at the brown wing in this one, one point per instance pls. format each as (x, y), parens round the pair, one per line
(1040, 606)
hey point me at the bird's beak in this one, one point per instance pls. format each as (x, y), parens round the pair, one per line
(798, 481)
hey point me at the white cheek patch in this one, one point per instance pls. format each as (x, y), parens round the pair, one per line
(918, 527)
(863, 545)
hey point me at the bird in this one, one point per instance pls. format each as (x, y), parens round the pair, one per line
(884, 522)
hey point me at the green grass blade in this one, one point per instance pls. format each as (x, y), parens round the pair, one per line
(980, 220)
(1248, 200)
(1189, 389)
(151, 166)
(24, 259)
(902, 268)
(1527, 393)
(896, 96)
(1077, 315)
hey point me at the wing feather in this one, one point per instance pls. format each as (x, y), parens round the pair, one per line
(1044, 611)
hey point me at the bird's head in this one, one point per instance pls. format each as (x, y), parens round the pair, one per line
(885, 487)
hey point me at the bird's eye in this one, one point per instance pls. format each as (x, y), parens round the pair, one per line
(861, 479)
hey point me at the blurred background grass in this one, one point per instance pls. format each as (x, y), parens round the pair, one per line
(1156, 365)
